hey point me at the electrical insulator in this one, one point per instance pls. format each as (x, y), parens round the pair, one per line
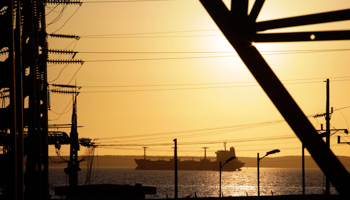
(61, 1)
(64, 36)
(62, 51)
(66, 61)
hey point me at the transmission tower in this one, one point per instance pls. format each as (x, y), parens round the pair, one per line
(23, 90)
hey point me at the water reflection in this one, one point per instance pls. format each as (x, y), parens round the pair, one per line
(206, 183)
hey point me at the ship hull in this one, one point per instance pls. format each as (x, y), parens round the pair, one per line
(143, 164)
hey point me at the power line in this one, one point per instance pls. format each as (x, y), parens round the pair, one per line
(159, 36)
(59, 16)
(310, 80)
(153, 90)
(68, 19)
(174, 89)
(123, 1)
(200, 57)
(239, 84)
(156, 52)
(149, 33)
(150, 59)
(63, 112)
(213, 52)
(193, 130)
(203, 142)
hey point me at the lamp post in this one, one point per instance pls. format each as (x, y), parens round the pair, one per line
(175, 161)
(228, 160)
(258, 160)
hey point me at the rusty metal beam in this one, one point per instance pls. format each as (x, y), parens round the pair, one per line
(241, 42)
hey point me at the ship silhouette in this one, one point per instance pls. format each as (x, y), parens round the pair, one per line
(204, 164)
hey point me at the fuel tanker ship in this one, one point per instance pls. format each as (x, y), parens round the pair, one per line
(204, 164)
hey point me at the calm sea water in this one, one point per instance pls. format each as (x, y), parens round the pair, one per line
(204, 183)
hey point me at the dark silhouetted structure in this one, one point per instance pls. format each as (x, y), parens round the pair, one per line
(241, 30)
(24, 93)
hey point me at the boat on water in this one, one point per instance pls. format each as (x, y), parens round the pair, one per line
(204, 164)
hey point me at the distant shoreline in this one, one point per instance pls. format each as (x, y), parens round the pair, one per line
(268, 162)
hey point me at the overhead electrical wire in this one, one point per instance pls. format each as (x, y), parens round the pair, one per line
(59, 74)
(63, 112)
(136, 88)
(190, 131)
(200, 142)
(52, 9)
(212, 52)
(255, 139)
(189, 150)
(193, 135)
(148, 33)
(59, 16)
(160, 36)
(123, 1)
(201, 57)
(68, 19)
(75, 74)
(294, 81)
(185, 88)
(114, 143)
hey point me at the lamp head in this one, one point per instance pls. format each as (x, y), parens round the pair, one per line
(228, 160)
(272, 152)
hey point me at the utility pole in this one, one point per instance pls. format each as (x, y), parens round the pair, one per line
(175, 161)
(303, 168)
(258, 173)
(73, 164)
(328, 133)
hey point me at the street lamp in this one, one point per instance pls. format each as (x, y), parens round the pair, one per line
(267, 153)
(228, 160)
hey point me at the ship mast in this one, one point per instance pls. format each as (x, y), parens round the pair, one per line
(144, 152)
(205, 152)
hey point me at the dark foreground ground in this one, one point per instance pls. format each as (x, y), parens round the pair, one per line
(282, 197)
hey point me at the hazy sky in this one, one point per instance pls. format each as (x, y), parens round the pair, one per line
(159, 70)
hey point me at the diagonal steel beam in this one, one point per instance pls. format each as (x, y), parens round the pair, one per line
(302, 36)
(239, 9)
(254, 13)
(303, 20)
(279, 96)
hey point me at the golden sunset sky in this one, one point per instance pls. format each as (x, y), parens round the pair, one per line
(156, 70)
